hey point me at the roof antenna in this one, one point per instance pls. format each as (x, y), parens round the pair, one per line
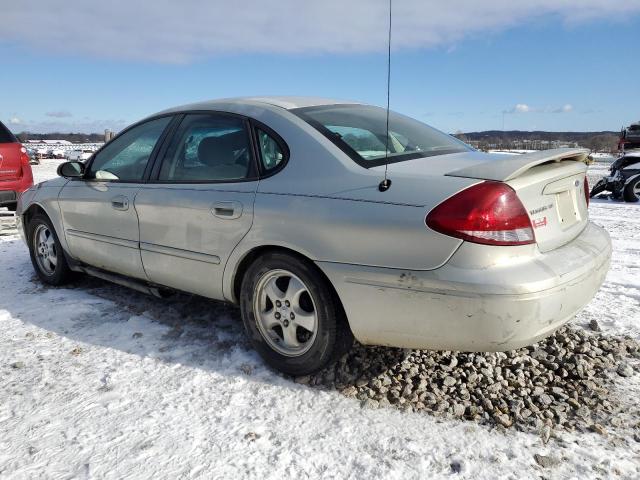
(386, 183)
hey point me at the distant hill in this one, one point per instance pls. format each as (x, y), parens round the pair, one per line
(71, 137)
(596, 141)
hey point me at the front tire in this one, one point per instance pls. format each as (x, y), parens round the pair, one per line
(46, 252)
(291, 315)
(631, 191)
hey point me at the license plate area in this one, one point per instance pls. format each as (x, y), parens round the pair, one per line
(567, 194)
(567, 209)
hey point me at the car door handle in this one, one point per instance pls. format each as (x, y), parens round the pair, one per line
(227, 210)
(120, 202)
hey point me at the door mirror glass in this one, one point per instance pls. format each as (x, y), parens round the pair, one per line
(71, 169)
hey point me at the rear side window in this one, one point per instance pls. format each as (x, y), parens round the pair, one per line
(271, 153)
(5, 135)
(363, 141)
(361, 132)
(208, 148)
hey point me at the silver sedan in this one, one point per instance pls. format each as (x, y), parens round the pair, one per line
(326, 221)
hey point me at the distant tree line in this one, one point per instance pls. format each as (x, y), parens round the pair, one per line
(490, 139)
(71, 137)
(497, 139)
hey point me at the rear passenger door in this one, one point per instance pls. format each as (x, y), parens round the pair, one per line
(198, 203)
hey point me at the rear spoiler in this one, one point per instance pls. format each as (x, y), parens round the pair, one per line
(508, 167)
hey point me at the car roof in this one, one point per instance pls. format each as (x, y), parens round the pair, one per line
(292, 102)
(285, 102)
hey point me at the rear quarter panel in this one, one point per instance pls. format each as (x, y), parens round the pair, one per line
(326, 207)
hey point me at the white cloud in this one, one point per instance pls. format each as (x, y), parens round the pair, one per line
(524, 108)
(182, 31)
(15, 120)
(59, 114)
(521, 108)
(564, 109)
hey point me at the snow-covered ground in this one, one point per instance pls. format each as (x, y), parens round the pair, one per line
(98, 381)
(46, 170)
(602, 156)
(597, 156)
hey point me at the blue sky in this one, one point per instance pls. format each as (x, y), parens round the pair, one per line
(533, 71)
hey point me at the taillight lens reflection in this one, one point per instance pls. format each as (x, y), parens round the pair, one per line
(489, 212)
(586, 190)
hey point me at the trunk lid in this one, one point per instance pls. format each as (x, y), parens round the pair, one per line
(550, 185)
(508, 167)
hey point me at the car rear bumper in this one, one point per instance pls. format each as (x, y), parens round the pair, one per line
(7, 197)
(11, 189)
(514, 302)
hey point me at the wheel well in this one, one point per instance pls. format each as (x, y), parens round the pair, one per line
(29, 214)
(250, 257)
(631, 179)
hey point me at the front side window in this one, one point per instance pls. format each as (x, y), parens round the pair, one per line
(125, 157)
(270, 151)
(361, 132)
(208, 148)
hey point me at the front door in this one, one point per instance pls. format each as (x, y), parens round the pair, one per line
(98, 213)
(200, 204)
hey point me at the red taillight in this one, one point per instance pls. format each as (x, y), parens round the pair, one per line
(586, 190)
(24, 156)
(489, 212)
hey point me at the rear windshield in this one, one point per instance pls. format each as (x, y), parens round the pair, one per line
(360, 131)
(5, 135)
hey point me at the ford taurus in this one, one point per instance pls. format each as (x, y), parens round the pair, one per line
(277, 205)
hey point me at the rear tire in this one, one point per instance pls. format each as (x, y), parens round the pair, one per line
(291, 315)
(631, 191)
(46, 253)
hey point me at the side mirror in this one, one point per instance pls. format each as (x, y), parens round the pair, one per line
(71, 169)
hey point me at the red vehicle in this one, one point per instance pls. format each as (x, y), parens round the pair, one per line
(15, 171)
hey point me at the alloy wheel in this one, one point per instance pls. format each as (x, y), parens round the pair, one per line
(285, 313)
(44, 247)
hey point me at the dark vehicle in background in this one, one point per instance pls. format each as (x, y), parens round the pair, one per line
(632, 133)
(15, 169)
(623, 180)
(630, 138)
(33, 157)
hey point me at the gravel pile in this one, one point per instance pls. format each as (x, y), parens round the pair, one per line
(562, 381)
